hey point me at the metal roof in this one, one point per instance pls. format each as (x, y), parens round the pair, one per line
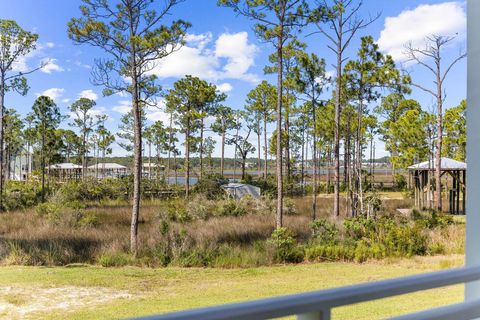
(445, 164)
(63, 166)
(107, 166)
(239, 190)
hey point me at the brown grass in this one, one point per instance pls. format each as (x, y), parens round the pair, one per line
(26, 238)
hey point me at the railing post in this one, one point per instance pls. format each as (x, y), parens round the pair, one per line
(318, 315)
(472, 250)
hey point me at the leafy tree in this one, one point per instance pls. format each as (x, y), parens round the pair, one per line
(186, 101)
(15, 43)
(158, 136)
(242, 146)
(433, 51)
(310, 80)
(224, 121)
(29, 136)
(364, 78)
(412, 136)
(276, 22)
(126, 130)
(72, 143)
(261, 104)
(339, 26)
(132, 35)
(290, 54)
(47, 117)
(209, 147)
(391, 109)
(455, 139)
(105, 140)
(13, 126)
(86, 122)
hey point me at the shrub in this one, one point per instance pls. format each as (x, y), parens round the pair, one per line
(324, 231)
(21, 194)
(232, 208)
(285, 246)
(211, 186)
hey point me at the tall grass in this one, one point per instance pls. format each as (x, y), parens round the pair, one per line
(27, 238)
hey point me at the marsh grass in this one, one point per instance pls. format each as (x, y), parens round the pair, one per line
(226, 241)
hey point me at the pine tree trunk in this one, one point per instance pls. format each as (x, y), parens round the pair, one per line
(336, 185)
(259, 164)
(279, 215)
(314, 115)
(438, 155)
(222, 160)
(201, 149)
(265, 165)
(187, 160)
(137, 164)
(2, 114)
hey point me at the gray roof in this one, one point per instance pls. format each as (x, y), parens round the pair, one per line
(108, 166)
(239, 190)
(64, 166)
(445, 164)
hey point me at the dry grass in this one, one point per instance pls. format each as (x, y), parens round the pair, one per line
(28, 239)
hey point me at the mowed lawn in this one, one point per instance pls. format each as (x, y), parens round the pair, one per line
(87, 292)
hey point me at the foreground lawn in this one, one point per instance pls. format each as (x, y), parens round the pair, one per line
(86, 292)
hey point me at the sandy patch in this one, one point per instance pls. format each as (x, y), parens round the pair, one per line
(23, 302)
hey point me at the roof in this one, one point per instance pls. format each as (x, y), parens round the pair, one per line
(445, 164)
(152, 165)
(64, 166)
(239, 190)
(108, 166)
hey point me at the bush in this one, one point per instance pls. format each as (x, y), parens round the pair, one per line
(324, 231)
(232, 208)
(22, 194)
(285, 246)
(211, 186)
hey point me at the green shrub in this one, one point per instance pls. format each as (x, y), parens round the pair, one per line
(211, 186)
(232, 208)
(324, 231)
(285, 246)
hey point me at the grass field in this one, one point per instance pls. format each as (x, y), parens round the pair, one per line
(87, 292)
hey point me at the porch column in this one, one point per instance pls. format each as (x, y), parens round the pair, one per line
(472, 250)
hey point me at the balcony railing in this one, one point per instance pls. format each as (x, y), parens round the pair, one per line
(318, 304)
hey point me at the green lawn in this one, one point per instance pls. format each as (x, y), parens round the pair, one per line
(87, 292)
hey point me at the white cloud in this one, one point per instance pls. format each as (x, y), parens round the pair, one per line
(123, 107)
(51, 66)
(49, 44)
(53, 93)
(224, 87)
(230, 57)
(66, 100)
(239, 54)
(447, 19)
(89, 94)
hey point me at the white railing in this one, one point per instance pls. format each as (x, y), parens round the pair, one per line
(318, 304)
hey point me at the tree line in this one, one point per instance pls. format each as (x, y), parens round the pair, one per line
(315, 114)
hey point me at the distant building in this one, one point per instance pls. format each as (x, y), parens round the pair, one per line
(108, 170)
(20, 167)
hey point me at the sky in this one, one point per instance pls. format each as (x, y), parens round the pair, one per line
(222, 48)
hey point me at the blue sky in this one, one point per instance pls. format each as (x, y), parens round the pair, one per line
(222, 49)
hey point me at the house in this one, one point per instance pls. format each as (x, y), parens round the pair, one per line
(20, 167)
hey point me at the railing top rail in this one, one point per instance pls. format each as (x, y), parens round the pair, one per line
(325, 299)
